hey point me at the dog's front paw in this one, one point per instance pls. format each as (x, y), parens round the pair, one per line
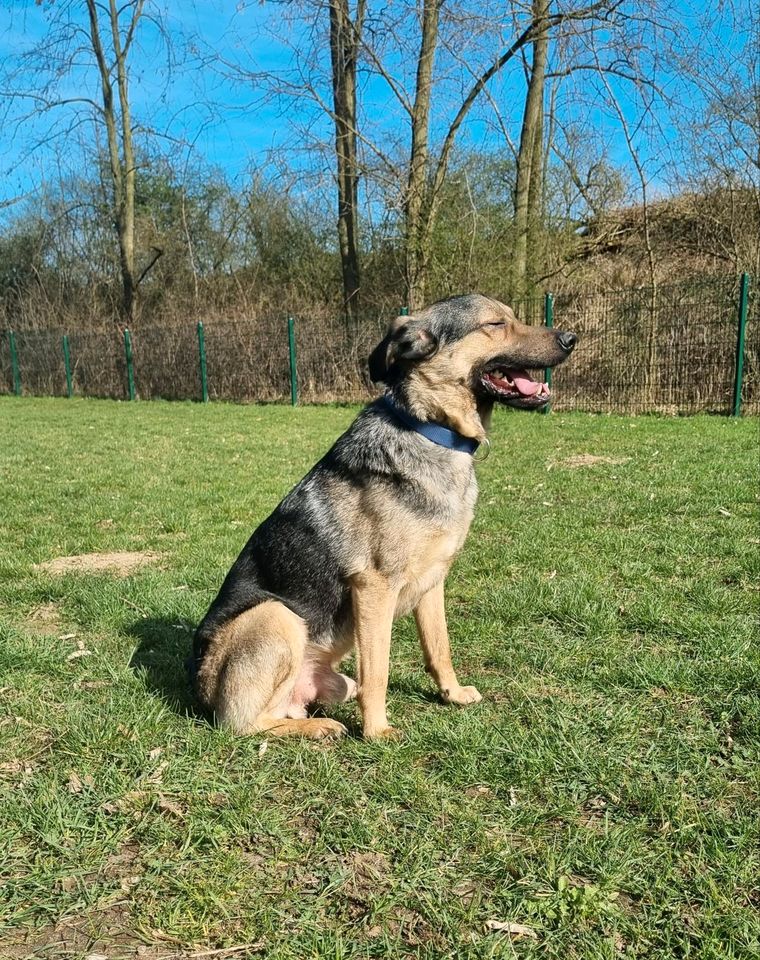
(461, 695)
(382, 733)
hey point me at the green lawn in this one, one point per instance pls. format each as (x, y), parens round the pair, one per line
(604, 795)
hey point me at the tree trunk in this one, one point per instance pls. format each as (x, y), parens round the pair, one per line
(417, 238)
(535, 200)
(121, 157)
(344, 45)
(528, 186)
(126, 216)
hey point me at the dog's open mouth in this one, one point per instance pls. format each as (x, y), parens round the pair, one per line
(515, 387)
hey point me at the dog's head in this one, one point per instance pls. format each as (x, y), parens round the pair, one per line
(468, 348)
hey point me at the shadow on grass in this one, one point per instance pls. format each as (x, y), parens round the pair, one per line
(163, 648)
(414, 689)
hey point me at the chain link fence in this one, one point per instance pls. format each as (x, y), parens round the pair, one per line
(667, 350)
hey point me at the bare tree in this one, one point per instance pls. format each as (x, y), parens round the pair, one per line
(430, 56)
(89, 41)
(416, 216)
(589, 63)
(121, 152)
(345, 35)
(427, 170)
(530, 155)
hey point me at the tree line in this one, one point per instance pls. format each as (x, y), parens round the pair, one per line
(587, 164)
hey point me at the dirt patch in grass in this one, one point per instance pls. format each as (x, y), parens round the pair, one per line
(121, 564)
(44, 619)
(368, 875)
(369, 868)
(106, 932)
(590, 460)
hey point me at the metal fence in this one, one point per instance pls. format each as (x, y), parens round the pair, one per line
(686, 348)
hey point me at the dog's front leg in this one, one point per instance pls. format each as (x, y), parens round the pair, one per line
(434, 639)
(374, 603)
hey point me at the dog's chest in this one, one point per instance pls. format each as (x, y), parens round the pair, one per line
(434, 548)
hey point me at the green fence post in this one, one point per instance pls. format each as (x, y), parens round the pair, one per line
(404, 312)
(549, 323)
(67, 365)
(292, 356)
(739, 369)
(202, 358)
(130, 370)
(14, 364)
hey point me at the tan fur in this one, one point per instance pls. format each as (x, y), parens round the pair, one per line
(439, 389)
(263, 669)
(434, 638)
(251, 669)
(374, 601)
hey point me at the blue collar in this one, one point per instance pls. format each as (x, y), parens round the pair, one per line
(433, 431)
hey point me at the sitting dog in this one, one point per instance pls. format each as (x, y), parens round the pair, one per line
(370, 532)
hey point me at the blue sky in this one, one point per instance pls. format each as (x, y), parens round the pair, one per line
(224, 122)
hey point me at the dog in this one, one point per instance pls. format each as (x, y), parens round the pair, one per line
(370, 532)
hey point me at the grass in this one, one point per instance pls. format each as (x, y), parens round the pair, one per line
(604, 794)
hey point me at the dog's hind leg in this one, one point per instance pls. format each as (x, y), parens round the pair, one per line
(256, 663)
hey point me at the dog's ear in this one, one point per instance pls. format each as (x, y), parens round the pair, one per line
(407, 341)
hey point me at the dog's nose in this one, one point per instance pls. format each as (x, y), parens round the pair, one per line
(567, 341)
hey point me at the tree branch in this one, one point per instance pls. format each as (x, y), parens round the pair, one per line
(157, 253)
(395, 89)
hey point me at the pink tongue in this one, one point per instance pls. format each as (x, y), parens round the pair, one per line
(526, 386)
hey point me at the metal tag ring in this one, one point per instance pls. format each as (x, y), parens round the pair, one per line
(486, 447)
